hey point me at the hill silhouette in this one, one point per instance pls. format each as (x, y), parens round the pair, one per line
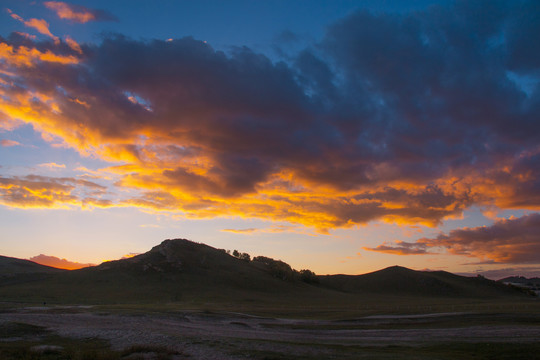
(400, 280)
(175, 270)
(10, 266)
(521, 280)
(18, 271)
(182, 270)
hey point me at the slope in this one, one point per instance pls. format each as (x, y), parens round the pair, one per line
(10, 266)
(182, 271)
(16, 271)
(397, 280)
(175, 270)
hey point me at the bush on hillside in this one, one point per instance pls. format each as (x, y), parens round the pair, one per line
(242, 256)
(308, 276)
(276, 268)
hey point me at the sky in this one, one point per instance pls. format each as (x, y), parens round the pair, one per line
(337, 136)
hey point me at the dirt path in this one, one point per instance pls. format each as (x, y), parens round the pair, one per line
(235, 336)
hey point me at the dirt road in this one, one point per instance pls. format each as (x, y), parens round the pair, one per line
(238, 336)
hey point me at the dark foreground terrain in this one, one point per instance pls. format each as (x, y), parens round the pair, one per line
(138, 333)
(184, 300)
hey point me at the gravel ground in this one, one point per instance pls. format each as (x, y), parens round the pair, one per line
(236, 336)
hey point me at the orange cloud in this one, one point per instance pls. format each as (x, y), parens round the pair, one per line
(80, 102)
(24, 56)
(7, 143)
(241, 231)
(15, 16)
(197, 194)
(39, 24)
(34, 191)
(57, 262)
(77, 13)
(271, 229)
(28, 36)
(52, 166)
(73, 44)
(7, 123)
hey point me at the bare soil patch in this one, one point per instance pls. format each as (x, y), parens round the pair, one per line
(219, 335)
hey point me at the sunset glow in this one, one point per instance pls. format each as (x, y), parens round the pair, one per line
(395, 134)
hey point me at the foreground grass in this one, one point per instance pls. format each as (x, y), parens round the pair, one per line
(20, 341)
(30, 342)
(446, 351)
(61, 348)
(333, 309)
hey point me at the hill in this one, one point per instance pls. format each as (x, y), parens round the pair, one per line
(175, 270)
(521, 280)
(531, 285)
(10, 266)
(184, 271)
(16, 271)
(399, 280)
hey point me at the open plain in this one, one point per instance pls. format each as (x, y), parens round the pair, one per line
(205, 334)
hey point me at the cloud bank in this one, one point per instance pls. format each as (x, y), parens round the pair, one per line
(403, 118)
(35, 191)
(507, 241)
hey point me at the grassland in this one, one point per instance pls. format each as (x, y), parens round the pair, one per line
(172, 332)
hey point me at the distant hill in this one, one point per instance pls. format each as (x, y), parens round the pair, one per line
(521, 280)
(184, 271)
(531, 285)
(13, 270)
(403, 281)
(10, 266)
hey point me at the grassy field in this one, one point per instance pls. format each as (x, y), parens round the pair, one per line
(47, 346)
(20, 340)
(25, 341)
(444, 351)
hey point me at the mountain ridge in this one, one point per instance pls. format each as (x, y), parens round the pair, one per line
(183, 270)
(16, 271)
(10, 266)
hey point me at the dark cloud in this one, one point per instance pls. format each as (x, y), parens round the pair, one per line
(497, 274)
(402, 117)
(524, 30)
(509, 241)
(400, 248)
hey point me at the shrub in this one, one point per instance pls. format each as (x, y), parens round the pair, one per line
(276, 268)
(245, 257)
(241, 256)
(308, 276)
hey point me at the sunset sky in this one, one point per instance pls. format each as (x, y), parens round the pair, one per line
(339, 136)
